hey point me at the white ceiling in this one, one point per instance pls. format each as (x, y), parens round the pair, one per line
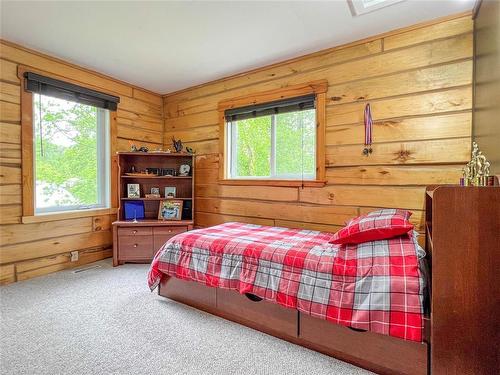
(165, 46)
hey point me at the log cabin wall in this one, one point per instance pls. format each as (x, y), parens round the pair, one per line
(486, 130)
(418, 82)
(33, 249)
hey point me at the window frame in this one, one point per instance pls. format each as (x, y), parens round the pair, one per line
(29, 213)
(319, 89)
(231, 154)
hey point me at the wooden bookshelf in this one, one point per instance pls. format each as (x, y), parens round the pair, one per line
(139, 241)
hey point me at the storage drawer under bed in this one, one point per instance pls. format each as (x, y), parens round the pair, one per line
(380, 353)
(262, 315)
(388, 355)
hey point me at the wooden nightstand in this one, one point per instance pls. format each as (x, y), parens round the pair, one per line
(139, 242)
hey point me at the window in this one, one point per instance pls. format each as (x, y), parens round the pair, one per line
(276, 146)
(71, 155)
(65, 146)
(275, 137)
(359, 7)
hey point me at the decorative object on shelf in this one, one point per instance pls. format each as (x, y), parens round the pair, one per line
(477, 170)
(190, 150)
(152, 196)
(132, 169)
(143, 149)
(153, 171)
(134, 210)
(133, 191)
(187, 210)
(140, 174)
(170, 191)
(133, 147)
(184, 170)
(368, 130)
(168, 172)
(170, 209)
(155, 191)
(177, 145)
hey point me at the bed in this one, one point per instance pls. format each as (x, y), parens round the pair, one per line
(294, 284)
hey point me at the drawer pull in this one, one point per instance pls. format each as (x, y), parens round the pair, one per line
(357, 329)
(135, 245)
(170, 231)
(253, 297)
(134, 231)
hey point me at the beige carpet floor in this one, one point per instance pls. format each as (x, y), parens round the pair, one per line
(105, 321)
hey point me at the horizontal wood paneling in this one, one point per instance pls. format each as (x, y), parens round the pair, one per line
(418, 83)
(29, 250)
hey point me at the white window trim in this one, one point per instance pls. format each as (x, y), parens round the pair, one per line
(104, 169)
(231, 149)
(360, 7)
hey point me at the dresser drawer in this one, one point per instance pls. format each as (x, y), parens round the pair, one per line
(169, 231)
(135, 247)
(135, 231)
(163, 234)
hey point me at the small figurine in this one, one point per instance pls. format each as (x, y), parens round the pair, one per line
(133, 148)
(177, 145)
(143, 149)
(190, 150)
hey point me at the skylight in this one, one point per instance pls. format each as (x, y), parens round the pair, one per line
(359, 7)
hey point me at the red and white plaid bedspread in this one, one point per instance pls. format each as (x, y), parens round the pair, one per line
(375, 286)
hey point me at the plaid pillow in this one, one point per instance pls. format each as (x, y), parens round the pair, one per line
(376, 225)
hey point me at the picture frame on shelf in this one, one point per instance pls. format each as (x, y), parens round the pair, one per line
(133, 191)
(155, 191)
(169, 172)
(170, 191)
(170, 209)
(153, 171)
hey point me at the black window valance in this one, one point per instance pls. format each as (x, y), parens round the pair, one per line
(300, 103)
(39, 84)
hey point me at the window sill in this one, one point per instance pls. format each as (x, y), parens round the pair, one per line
(285, 183)
(67, 215)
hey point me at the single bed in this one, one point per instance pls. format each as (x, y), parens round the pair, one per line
(375, 286)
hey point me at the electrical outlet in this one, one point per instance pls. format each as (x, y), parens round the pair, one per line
(74, 256)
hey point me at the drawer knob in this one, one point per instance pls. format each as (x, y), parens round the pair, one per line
(135, 245)
(134, 231)
(170, 231)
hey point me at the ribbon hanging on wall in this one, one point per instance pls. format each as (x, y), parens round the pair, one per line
(368, 130)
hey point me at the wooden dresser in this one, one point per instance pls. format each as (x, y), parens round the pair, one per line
(138, 242)
(463, 240)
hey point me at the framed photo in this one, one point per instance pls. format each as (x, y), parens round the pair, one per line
(133, 210)
(170, 209)
(170, 191)
(154, 171)
(155, 191)
(133, 191)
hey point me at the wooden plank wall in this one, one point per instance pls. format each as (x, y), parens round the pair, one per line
(29, 250)
(486, 131)
(418, 82)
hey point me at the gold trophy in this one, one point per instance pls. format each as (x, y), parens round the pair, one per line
(477, 170)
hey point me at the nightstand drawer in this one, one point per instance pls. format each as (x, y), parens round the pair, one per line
(135, 231)
(163, 234)
(169, 231)
(135, 247)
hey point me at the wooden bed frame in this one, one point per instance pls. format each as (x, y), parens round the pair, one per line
(460, 336)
